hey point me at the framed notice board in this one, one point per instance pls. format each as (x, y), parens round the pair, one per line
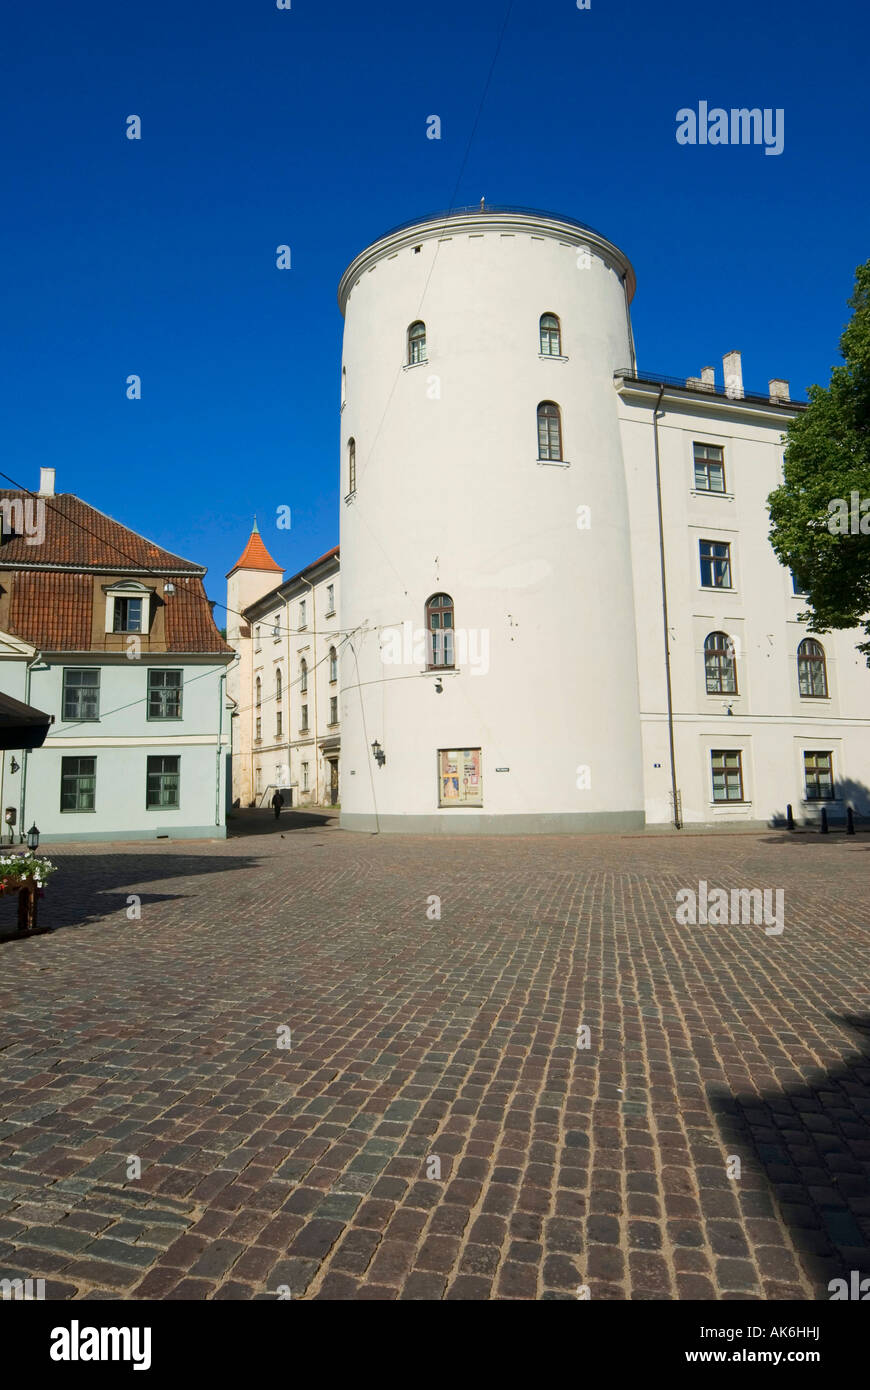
(460, 782)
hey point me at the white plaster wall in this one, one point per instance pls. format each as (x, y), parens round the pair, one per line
(771, 723)
(450, 496)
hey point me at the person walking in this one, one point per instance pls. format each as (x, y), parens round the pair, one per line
(277, 803)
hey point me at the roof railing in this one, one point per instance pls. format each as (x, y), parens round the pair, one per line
(696, 387)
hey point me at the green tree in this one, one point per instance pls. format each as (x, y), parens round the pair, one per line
(821, 512)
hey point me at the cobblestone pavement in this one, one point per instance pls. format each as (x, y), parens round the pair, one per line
(421, 1044)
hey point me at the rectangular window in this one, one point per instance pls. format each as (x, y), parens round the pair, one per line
(798, 587)
(258, 728)
(278, 724)
(330, 599)
(78, 784)
(819, 776)
(459, 777)
(715, 564)
(164, 694)
(81, 694)
(302, 619)
(333, 709)
(257, 637)
(709, 468)
(303, 727)
(727, 765)
(128, 615)
(163, 783)
(305, 777)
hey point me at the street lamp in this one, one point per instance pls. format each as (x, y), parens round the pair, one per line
(33, 837)
(379, 754)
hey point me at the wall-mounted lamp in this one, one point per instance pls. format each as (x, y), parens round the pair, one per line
(14, 765)
(33, 837)
(729, 709)
(438, 686)
(379, 754)
(169, 587)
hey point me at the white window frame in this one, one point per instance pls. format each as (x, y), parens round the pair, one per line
(129, 590)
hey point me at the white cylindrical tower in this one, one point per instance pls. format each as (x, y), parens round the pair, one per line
(483, 492)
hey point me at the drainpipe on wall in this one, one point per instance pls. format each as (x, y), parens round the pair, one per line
(287, 702)
(37, 656)
(665, 632)
(217, 788)
(314, 678)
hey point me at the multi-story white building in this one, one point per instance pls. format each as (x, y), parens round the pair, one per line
(285, 683)
(561, 604)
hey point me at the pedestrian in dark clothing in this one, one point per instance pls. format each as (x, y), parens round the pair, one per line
(277, 803)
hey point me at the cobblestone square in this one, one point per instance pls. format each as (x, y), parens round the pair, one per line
(433, 1130)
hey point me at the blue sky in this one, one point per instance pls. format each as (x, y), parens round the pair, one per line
(308, 127)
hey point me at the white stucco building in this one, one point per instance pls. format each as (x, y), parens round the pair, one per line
(285, 683)
(561, 605)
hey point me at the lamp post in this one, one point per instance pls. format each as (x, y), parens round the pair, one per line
(33, 837)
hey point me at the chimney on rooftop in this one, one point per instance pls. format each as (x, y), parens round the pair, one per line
(46, 482)
(705, 382)
(733, 370)
(778, 390)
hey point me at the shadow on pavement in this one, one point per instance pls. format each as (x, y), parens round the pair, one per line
(89, 887)
(812, 1144)
(263, 822)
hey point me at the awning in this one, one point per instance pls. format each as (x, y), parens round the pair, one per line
(22, 726)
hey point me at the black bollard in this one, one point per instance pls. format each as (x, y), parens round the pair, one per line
(824, 826)
(789, 817)
(850, 821)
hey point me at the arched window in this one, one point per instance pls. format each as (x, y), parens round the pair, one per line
(551, 336)
(303, 676)
(259, 690)
(416, 343)
(351, 466)
(812, 671)
(279, 682)
(549, 431)
(333, 664)
(720, 665)
(439, 631)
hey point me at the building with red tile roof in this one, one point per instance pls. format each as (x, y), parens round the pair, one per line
(113, 636)
(286, 733)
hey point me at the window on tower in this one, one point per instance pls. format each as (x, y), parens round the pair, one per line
(351, 467)
(416, 343)
(551, 336)
(549, 431)
(439, 631)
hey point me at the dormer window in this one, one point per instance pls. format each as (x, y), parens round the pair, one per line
(128, 607)
(128, 615)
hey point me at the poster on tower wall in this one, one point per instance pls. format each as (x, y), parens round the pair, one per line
(459, 777)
